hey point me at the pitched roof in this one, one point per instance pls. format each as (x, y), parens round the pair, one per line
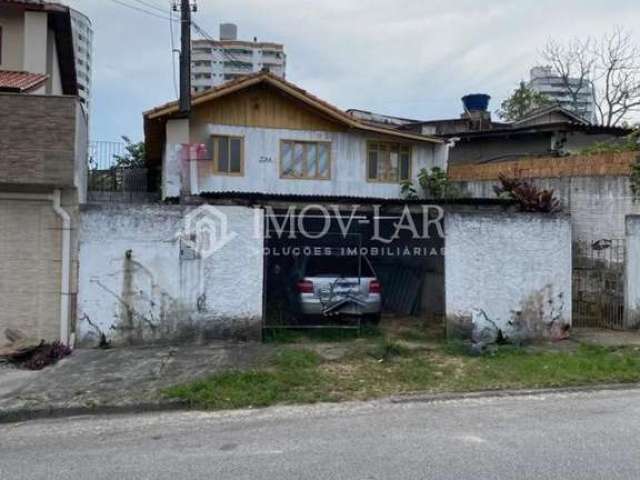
(298, 93)
(59, 20)
(21, 82)
(38, 5)
(539, 112)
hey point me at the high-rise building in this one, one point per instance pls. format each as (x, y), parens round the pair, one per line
(544, 80)
(83, 47)
(217, 61)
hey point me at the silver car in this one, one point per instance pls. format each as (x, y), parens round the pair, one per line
(337, 285)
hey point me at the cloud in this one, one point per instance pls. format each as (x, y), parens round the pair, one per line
(413, 58)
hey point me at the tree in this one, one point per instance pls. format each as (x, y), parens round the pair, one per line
(134, 156)
(608, 69)
(522, 101)
(618, 74)
(572, 62)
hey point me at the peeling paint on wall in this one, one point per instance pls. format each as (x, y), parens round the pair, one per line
(137, 287)
(510, 272)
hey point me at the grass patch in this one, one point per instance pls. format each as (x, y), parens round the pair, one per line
(387, 367)
(320, 335)
(386, 349)
(293, 377)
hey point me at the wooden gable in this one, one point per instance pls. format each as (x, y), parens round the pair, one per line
(266, 107)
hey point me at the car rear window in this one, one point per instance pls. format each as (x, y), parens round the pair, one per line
(345, 266)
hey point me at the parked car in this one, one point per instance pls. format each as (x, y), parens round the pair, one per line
(336, 285)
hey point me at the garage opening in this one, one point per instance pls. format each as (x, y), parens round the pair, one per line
(330, 266)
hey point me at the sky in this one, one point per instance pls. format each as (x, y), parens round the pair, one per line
(410, 58)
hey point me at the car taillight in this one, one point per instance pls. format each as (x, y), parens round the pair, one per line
(305, 286)
(375, 287)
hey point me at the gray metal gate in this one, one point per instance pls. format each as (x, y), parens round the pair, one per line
(598, 284)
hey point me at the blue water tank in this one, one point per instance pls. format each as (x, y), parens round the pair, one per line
(476, 101)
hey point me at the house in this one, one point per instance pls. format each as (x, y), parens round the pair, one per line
(476, 138)
(551, 130)
(263, 175)
(43, 145)
(36, 48)
(263, 134)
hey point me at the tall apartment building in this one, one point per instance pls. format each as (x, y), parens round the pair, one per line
(217, 61)
(83, 46)
(547, 82)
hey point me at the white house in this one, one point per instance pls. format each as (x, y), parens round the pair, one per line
(264, 134)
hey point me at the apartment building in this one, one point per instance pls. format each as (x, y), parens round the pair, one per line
(83, 46)
(544, 80)
(214, 62)
(43, 162)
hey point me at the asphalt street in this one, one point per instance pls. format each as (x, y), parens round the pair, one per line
(552, 436)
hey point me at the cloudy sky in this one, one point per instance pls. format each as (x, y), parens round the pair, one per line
(412, 58)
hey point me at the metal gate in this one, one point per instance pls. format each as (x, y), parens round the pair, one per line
(598, 284)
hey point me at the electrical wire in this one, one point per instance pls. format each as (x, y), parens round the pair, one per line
(150, 5)
(204, 33)
(141, 10)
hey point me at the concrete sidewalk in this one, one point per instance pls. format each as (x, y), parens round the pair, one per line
(120, 379)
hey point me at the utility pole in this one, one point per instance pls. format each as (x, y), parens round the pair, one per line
(185, 56)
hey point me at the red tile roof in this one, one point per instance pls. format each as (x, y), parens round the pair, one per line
(21, 82)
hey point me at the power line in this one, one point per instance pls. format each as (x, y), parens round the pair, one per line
(141, 10)
(150, 5)
(204, 33)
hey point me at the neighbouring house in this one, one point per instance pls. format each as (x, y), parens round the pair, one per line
(476, 138)
(36, 48)
(43, 145)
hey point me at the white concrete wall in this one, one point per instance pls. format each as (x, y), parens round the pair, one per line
(160, 293)
(35, 41)
(513, 267)
(598, 205)
(632, 280)
(80, 170)
(12, 24)
(177, 134)
(262, 163)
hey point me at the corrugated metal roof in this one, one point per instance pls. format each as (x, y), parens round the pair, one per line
(257, 197)
(21, 82)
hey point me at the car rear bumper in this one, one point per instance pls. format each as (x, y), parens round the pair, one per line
(365, 306)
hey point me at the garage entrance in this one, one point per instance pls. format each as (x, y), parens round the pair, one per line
(339, 265)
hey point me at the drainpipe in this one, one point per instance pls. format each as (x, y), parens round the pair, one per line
(66, 252)
(65, 294)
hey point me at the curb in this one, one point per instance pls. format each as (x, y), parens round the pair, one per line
(445, 397)
(25, 414)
